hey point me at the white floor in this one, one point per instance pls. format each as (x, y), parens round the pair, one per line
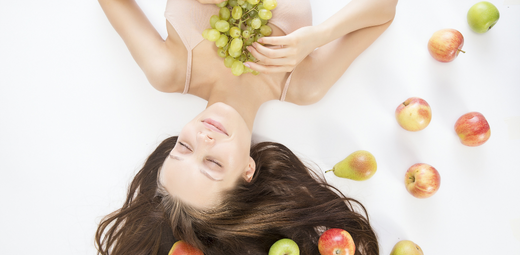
(78, 118)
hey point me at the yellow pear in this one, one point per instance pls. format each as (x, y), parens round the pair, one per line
(358, 166)
(406, 247)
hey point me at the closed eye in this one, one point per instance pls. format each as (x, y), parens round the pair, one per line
(214, 162)
(185, 146)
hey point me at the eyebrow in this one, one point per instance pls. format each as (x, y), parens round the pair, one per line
(200, 169)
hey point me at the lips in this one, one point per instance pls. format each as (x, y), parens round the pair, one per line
(215, 126)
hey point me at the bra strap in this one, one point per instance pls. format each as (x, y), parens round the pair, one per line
(188, 73)
(286, 87)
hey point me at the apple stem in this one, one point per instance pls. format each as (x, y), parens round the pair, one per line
(329, 170)
(462, 51)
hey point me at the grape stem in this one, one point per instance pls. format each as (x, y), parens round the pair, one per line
(252, 9)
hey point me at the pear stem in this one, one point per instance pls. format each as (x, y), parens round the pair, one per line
(330, 170)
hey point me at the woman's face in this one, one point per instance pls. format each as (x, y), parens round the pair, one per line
(211, 155)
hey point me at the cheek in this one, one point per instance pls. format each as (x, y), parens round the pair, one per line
(239, 155)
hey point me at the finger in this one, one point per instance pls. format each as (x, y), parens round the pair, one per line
(262, 59)
(268, 69)
(276, 40)
(272, 52)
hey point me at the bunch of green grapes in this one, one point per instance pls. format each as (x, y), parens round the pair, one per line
(238, 25)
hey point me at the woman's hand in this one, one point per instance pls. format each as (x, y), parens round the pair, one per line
(283, 53)
(211, 1)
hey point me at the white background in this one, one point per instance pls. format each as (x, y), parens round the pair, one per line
(78, 118)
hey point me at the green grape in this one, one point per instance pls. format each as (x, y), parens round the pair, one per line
(235, 32)
(213, 20)
(249, 6)
(255, 72)
(228, 61)
(234, 54)
(244, 5)
(222, 53)
(264, 22)
(241, 2)
(224, 13)
(221, 41)
(258, 36)
(265, 14)
(266, 30)
(250, 57)
(232, 3)
(251, 30)
(253, 2)
(237, 12)
(270, 4)
(249, 41)
(213, 35)
(237, 68)
(248, 22)
(232, 20)
(242, 58)
(222, 26)
(205, 33)
(236, 44)
(253, 13)
(226, 47)
(223, 4)
(246, 34)
(256, 23)
(260, 6)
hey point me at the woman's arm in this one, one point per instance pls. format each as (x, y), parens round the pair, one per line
(356, 15)
(157, 59)
(320, 70)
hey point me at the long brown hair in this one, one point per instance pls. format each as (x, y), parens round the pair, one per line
(285, 199)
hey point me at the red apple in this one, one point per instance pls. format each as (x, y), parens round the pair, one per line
(472, 129)
(336, 241)
(422, 180)
(445, 44)
(414, 114)
(183, 248)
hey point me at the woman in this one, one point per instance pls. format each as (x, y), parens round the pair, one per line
(284, 199)
(207, 186)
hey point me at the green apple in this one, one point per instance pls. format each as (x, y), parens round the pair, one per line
(406, 247)
(358, 166)
(482, 16)
(284, 246)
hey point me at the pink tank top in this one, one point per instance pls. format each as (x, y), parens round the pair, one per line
(189, 18)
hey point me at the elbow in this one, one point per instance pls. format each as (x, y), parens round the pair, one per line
(389, 9)
(162, 79)
(309, 97)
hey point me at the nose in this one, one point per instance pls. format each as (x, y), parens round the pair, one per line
(205, 137)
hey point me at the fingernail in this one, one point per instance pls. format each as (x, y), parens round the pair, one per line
(260, 40)
(248, 48)
(246, 64)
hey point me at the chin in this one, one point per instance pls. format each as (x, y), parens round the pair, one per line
(226, 115)
(223, 110)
